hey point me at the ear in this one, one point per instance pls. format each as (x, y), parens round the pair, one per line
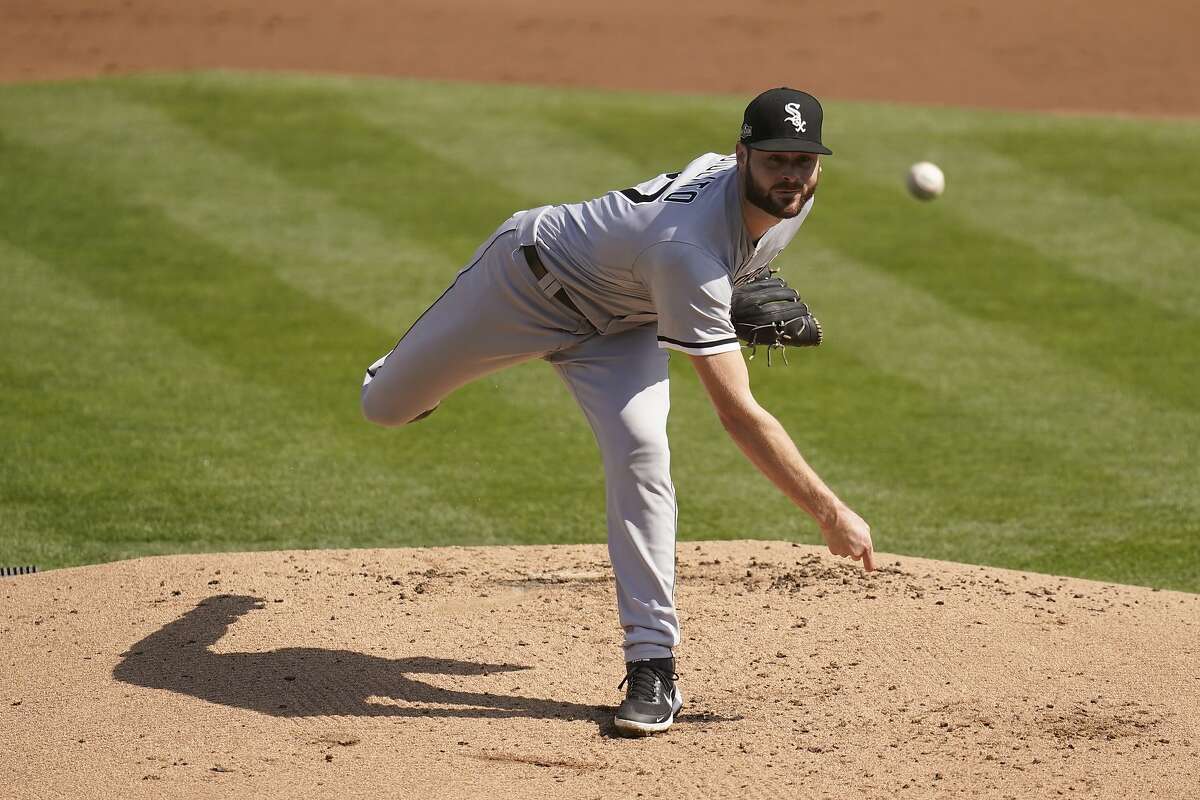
(743, 153)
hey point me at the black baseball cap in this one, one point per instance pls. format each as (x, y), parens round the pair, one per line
(784, 120)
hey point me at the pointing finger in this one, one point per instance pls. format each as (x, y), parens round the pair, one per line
(868, 560)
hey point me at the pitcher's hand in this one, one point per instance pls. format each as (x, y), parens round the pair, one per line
(849, 535)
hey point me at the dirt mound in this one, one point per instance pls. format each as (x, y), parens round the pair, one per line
(1100, 55)
(485, 672)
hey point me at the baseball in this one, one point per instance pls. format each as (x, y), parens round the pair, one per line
(925, 180)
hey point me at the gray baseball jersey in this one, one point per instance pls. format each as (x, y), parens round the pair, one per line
(666, 251)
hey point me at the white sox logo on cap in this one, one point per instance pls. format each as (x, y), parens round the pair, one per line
(794, 117)
(784, 120)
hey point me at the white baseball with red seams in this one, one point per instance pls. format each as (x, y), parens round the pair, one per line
(926, 180)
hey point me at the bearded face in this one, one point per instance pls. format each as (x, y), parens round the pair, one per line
(780, 183)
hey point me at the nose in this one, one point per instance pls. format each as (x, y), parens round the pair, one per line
(795, 173)
(792, 179)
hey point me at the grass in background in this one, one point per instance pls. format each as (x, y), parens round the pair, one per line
(195, 270)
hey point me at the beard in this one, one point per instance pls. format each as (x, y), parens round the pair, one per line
(772, 204)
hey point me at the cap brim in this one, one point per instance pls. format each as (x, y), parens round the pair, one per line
(790, 146)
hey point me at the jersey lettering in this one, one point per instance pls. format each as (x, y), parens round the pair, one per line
(685, 193)
(680, 197)
(638, 197)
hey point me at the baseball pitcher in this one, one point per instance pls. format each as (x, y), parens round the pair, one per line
(602, 290)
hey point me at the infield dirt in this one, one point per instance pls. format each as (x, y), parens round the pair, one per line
(1081, 55)
(492, 672)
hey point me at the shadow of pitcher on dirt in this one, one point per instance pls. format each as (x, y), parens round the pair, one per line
(308, 681)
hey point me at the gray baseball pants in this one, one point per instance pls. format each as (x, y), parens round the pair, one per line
(496, 314)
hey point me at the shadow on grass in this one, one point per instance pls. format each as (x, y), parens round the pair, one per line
(307, 681)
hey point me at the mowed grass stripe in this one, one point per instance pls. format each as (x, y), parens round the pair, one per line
(329, 251)
(313, 138)
(471, 459)
(118, 428)
(132, 251)
(266, 333)
(1107, 236)
(119, 373)
(1151, 166)
(315, 244)
(1010, 440)
(1084, 320)
(503, 137)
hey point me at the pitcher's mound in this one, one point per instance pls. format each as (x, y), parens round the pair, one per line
(492, 672)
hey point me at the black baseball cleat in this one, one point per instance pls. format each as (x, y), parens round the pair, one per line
(651, 700)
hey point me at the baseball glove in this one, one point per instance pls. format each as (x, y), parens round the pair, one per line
(768, 312)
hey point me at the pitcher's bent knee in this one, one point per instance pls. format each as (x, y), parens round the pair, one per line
(377, 412)
(390, 414)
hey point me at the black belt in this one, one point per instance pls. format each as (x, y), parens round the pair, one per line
(539, 272)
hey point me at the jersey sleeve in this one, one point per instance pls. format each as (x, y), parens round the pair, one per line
(691, 292)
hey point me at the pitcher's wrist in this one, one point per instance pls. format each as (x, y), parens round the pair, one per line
(826, 510)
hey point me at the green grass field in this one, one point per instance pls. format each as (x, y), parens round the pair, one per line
(195, 271)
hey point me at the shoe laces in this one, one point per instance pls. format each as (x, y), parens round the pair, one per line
(645, 681)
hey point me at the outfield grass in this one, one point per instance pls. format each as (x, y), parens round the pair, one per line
(195, 270)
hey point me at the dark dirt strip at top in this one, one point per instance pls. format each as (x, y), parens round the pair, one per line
(1071, 55)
